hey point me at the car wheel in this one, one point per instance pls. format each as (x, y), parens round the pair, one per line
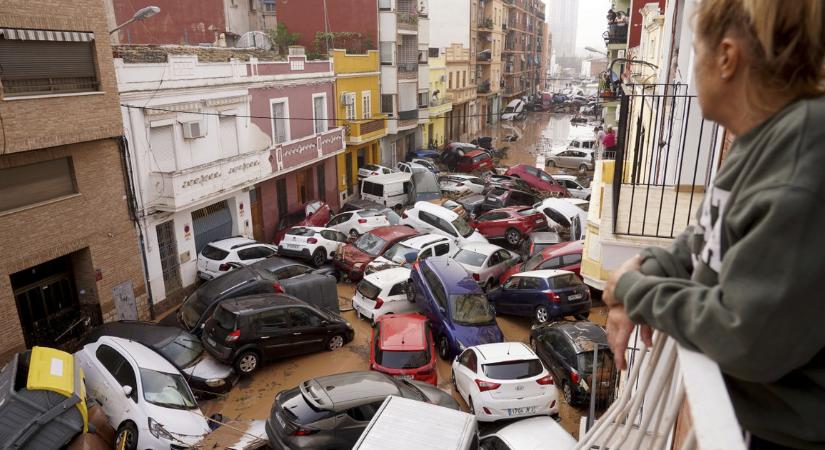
(542, 315)
(583, 168)
(550, 163)
(568, 393)
(582, 316)
(443, 348)
(127, 436)
(247, 362)
(353, 234)
(489, 286)
(512, 236)
(319, 257)
(335, 342)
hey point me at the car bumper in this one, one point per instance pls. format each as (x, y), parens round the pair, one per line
(301, 253)
(201, 389)
(500, 409)
(363, 309)
(274, 438)
(220, 352)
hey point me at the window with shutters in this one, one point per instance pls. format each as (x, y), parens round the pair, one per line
(42, 62)
(36, 183)
(386, 52)
(387, 104)
(280, 120)
(319, 112)
(349, 105)
(433, 52)
(366, 104)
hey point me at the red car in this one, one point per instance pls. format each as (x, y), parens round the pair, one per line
(312, 214)
(564, 256)
(402, 346)
(511, 223)
(538, 179)
(475, 160)
(353, 258)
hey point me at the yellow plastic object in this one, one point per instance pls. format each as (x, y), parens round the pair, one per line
(54, 370)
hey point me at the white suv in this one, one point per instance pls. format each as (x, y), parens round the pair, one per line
(573, 186)
(220, 257)
(358, 222)
(313, 243)
(429, 218)
(414, 248)
(505, 380)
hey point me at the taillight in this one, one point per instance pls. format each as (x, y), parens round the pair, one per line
(574, 376)
(545, 380)
(312, 241)
(278, 288)
(233, 336)
(362, 220)
(375, 173)
(404, 215)
(476, 277)
(304, 432)
(223, 267)
(553, 297)
(486, 385)
(379, 302)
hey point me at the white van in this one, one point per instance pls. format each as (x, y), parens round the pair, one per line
(404, 424)
(514, 111)
(392, 189)
(426, 217)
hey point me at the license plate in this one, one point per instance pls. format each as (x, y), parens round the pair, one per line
(574, 297)
(280, 420)
(210, 341)
(521, 411)
(292, 246)
(404, 377)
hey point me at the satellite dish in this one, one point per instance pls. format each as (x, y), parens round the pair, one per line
(254, 39)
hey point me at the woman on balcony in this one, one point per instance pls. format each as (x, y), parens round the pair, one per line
(744, 285)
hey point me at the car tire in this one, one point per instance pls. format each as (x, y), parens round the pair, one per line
(443, 348)
(319, 257)
(128, 432)
(567, 391)
(582, 316)
(335, 342)
(247, 362)
(353, 234)
(550, 163)
(542, 315)
(512, 236)
(582, 168)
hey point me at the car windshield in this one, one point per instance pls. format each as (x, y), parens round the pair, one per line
(214, 253)
(166, 390)
(471, 309)
(426, 186)
(224, 318)
(370, 167)
(513, 370)
(370, 244)
(585, 360)
(403, 359)
(183, 351)
(508, 109)
(193, 308)
(368, 289)
(462, 227)
(470, 258)
(533, 262)
(527, 212)
(399, 252)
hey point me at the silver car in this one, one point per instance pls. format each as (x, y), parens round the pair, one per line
(580, 159)
(576, 189)
(332, 411)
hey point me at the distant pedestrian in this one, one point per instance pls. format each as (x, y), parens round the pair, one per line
(609, 143)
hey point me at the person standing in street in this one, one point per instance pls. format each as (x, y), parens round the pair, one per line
(744, 285)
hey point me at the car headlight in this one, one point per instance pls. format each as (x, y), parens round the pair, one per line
(158, 431)
(358, 265)
(215, 382)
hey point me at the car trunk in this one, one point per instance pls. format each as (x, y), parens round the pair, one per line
(368, 292)
(223, 322)
(298, 239)
(212, 259)
(570, 289)
(517, 379)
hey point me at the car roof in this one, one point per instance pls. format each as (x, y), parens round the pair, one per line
(583, 334)
(563, 248)
(564, 177)
(318, 229)
(403, 332)
(254, 303)
(388, 276)
(445, 213)
(563, 206)
(270, 264)
(346, 390)
(230, 280)
(148, 333)
(454, 276)
(393, 232)
(540, 237)
(143, 356)
(504, 351)
(418, 242)
(536, 433)
(389, 177)
(544, 273)
(233, 242)
(463, 176)
(481, 247)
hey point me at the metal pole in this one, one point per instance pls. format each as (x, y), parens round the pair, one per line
(594, 381)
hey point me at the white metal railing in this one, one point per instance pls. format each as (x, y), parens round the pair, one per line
(658, 383)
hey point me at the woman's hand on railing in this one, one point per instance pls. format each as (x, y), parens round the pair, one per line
(619, 325)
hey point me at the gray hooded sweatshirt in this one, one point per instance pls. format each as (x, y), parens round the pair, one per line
(746, 285)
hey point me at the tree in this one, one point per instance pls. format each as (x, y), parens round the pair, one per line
(282, 38)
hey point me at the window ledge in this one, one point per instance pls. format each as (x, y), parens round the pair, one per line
(67, 94)
(38, 204)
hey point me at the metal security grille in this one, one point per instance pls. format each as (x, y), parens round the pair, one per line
(211, 223)
(168, 249)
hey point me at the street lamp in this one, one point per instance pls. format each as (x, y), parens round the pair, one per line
(595, 50)
(143, 13)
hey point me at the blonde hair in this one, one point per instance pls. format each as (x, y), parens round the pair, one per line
(786, 41)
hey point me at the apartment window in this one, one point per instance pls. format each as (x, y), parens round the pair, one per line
(41, 62)
(433, 52)
(319, 112)
(423, 99)
(386, 52)
(450, 84)
(269, 5)
(34, 183)
(387, 104)
(280, 121)
(349, 105)
(366, 104)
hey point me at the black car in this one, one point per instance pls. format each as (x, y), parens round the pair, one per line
(248, 330)
(567, 349)
(502, 198)
(507, 182)
(205, 375)
(269, 276)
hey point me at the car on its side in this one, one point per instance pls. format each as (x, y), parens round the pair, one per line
(316, 244)
(144, 396)
(515, 110)
(543, 295)
(506, 380)
(220, 257)
(246, 331)
(332, 411)
(459, 313)
(486, 262)
(405, 253)
(563, 215)
(428, 218)
(501, 198)
(567, 349)
(358, 222)
(576, 189)
(352, 259)
(402, 346)
(458, 184)
(563, 256)
(383, 292)
(533, 433)
(313, 214)
(538, 241)
(538, 179)
(509, 223)
(475, 161)
(205, 376)
(368, 170)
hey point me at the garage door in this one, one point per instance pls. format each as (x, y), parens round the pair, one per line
(211, 223)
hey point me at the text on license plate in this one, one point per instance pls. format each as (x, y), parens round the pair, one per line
(574, 297)
(404, 377)
(521, 411)
(292, 245)
(210, 341)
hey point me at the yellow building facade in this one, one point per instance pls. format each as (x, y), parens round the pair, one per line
(436, 130)
(358, 110)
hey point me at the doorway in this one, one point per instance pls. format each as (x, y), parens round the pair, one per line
(350, 182)
(256, 211)
(168, 250)
(304, 179)
(211, 223)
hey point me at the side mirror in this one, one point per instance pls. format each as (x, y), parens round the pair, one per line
(127, 390)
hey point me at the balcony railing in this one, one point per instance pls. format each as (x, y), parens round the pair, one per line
(668, 386)
(484, 88)
(359, 131)
(615, 34)
(407, 21)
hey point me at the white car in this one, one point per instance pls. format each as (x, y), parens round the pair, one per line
(144, 396)
(383, 292)
(486, 262)
(368, 170)
(222, 256)
(426, 163)
(411, 167)
(429, 218)
(460, 184)
(505, 380)
(565, 214)
(356, 223)
(313, 243)
(534, 433)
(413, 249)
(573, 186)
(514, 111)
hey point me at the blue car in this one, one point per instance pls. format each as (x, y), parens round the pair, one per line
(423, 153)
(543, 295)
(454, 303)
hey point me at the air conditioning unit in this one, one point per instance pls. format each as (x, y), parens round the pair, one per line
(193, 130)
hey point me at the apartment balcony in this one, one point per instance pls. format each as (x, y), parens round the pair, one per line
(439, 106)
(483, 88)
(408, 71)
(616, 34)
(510, 3)
(407, 119)
(360, 131)
(461, 95)
(407, 22)
(307, 150)
(485, 25)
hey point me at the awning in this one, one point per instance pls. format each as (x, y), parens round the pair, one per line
(22, 34)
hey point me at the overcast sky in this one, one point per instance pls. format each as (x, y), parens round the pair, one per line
(592, 23)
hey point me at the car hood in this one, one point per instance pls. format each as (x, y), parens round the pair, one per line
(352, 255)
(188, 426)
(485, 334)
(436, 396)
(476, 237)
(208, 368)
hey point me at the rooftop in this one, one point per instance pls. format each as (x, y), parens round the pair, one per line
(138, 54)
